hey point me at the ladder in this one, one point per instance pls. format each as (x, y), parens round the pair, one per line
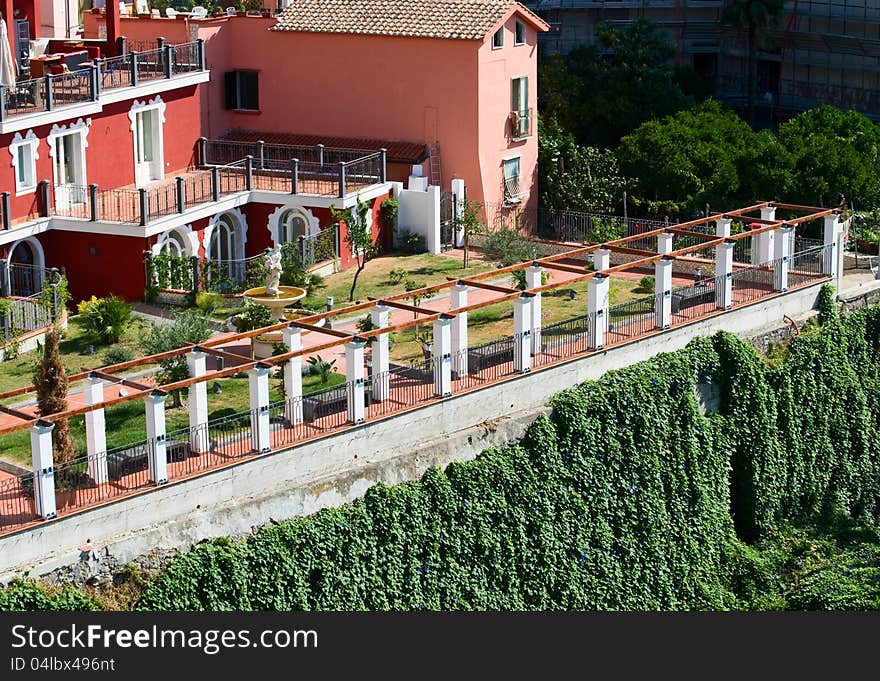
(434, 164)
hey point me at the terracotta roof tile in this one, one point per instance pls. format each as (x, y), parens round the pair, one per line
(451, 19)
(398, 151)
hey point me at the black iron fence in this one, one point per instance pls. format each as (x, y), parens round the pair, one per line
(86, 83)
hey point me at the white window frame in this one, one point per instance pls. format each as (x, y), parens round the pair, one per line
(140, 107)
(32, 142)
(274, 222)
(241, 235)
(80, 127)
(516, 27)
(499, 32)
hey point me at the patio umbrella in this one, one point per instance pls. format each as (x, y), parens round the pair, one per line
(7, 63)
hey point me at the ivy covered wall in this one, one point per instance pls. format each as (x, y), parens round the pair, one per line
(630, 496)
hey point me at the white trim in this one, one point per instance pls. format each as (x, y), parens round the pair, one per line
(138, 106)
(240, 233)
(82, 128)
(312, 224)
(18, 141)
(189, 238)
(36, 249)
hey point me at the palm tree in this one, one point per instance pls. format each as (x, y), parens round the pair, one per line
(751, 15)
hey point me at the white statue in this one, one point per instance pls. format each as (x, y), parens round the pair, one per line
(273, 262)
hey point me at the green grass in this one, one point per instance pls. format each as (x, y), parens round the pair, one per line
(18, 373)
(126, 423)
(425, 269)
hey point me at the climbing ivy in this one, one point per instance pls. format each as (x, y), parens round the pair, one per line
(657, 486)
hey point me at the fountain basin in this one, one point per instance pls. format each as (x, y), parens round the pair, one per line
(287, 295)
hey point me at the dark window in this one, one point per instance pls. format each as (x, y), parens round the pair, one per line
(498, 38)
(519, 37)
(242, 90)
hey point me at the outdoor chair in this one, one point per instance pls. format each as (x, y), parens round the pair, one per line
(198, 12)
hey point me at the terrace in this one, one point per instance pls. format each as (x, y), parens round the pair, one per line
(91, 84)
(380, 389)
(226, 169)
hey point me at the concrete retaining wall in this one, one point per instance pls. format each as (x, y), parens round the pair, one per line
(338, 469)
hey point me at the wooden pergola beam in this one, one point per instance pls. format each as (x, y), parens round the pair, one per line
(415, 309)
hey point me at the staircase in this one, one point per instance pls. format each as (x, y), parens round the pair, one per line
(434, 164)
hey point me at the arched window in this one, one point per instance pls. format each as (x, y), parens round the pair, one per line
(173, 245)
(25, 272)
(223, 251)
(291, 227)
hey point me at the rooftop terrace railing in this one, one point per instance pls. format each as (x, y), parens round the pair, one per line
(51, 92)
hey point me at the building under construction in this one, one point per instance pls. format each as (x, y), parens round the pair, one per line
(816, 52)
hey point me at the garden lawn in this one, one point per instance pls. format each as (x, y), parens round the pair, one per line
(17, 373)
(493, 322)
(425, 269)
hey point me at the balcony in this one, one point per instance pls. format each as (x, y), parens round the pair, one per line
(85, 90)
(512, 191)
(521, 124)
(227, 169)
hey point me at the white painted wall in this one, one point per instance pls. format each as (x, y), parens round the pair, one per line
(419, 212)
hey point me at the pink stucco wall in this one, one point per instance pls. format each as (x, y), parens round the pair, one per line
(385, 87)
(497, 68)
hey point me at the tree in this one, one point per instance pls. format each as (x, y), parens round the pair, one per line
(358, 236)
(50, 381)
(187, 328)
(751, 15)
(833, 152)
(680, 163)
(574, 177)
(600, 98)
(468, 220)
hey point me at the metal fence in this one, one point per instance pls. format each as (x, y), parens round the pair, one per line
(17, 501)
(214, 444)
(307, 251)
(24, 315)
(630, 319)
(86, 83)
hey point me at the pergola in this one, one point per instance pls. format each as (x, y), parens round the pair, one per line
(450, 343)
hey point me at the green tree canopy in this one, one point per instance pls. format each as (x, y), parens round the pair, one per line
(601, 97)
(834, 152)
(574, 177)
(694, 157)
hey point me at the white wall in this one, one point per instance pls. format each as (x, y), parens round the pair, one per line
(419, 212)
(54, 20)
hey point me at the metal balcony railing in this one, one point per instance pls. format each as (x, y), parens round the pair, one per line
(512, 191)
(521, 124)
(86, 84)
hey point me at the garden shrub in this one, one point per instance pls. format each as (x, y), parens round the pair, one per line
(107, 318)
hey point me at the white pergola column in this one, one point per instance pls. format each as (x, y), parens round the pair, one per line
(722, 227)
(522, 333)
(354, 377)
(442, 351)
(458, 298)
(380, 354)
(831, 255)
(663, 293)
(196, 364)
(157, 449)
(533, 280)
(258, 392)
(44, 469)
(601, 259)
(766, 241)
(293, 390)
(597, 311)
(96, 432)
(781, 257)
(663, 282)
(724, 275)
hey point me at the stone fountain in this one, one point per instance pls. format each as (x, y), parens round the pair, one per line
(274, 296)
